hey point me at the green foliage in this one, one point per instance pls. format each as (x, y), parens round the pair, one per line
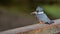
(52, 10)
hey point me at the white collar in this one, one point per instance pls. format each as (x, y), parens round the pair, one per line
(40, 12)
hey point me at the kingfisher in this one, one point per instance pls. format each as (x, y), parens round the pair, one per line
(41, 16)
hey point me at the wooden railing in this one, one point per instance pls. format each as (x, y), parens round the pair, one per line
(32, 29)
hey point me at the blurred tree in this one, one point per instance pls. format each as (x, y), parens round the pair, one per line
(5, 2)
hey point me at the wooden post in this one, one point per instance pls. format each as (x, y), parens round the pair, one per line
(34, 29)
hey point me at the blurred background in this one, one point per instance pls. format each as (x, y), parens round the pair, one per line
(16, 13)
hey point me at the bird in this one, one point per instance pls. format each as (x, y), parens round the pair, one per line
(41, 16)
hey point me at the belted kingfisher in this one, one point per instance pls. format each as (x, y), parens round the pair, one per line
(42, 16)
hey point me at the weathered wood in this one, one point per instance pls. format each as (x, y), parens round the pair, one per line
(47, 30)
(35, 28)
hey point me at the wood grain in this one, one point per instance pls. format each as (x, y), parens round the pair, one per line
(36, 29)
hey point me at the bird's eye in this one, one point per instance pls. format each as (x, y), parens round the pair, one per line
(37, 11)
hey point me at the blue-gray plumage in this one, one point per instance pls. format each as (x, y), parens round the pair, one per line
(42, 16)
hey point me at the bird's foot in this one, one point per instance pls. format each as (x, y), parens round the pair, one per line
(40, 22)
